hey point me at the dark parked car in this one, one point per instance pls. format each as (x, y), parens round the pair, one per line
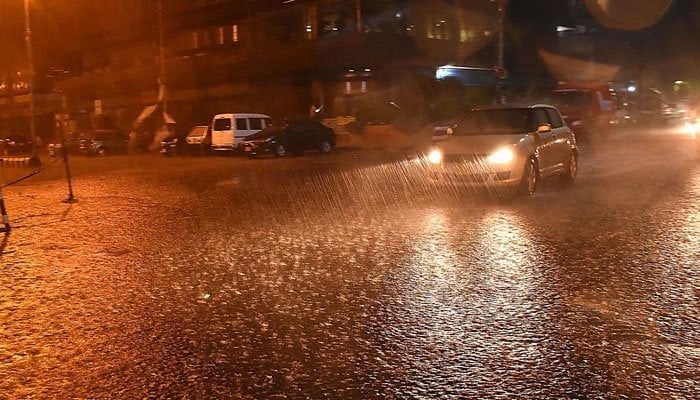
(294, 137)
(174, 144)
(196, 141)
(103, 142)
(16, 145)
(72, 145)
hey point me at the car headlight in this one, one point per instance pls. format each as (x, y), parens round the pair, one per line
(175, 141)
(501, 156)
(691, 128)
(435, 156)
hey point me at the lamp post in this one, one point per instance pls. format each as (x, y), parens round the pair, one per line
(502, 4)
(162, 79)
(30, 61)
(500, 62)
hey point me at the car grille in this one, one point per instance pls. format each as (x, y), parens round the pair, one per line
(464, 158)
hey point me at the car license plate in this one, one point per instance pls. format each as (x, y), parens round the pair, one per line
(247, 149)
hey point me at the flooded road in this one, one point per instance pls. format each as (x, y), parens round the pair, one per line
(349, 276)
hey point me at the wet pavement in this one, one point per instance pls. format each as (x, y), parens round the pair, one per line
(349, 276)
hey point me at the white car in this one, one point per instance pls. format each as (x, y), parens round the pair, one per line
(506, 146)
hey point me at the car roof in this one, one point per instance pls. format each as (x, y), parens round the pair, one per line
(241, 115)
(514, 106)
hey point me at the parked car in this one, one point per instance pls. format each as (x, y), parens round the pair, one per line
(104, 141)
(16, 145)
(200, 135)
(294, 137)
(196, 141)
(228, 131)
(174, 144)
(72, 144)
(506, 146)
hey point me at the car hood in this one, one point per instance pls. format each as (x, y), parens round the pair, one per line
(479, 144)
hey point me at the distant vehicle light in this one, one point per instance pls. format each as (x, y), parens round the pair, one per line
(691, 128)
(435, 156)
(631, 89)
(501, 156)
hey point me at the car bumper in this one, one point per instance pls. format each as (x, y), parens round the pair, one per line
(257, 150)
(476, 176)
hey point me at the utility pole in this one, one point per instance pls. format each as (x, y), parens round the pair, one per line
(500, 62)
(161, 49)
(358, 15)
(30, 61)
(502, 4)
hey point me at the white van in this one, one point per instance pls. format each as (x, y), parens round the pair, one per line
(228, 131)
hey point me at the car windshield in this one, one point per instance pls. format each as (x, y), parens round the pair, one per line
(493, 122)
(222, 124)
(199, 131)
(570, 98)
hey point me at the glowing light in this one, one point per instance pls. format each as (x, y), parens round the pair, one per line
(501, 156)
(435, 156)
(631, 88)
(691, 128)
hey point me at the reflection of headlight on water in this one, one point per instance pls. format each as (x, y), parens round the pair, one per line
(435, 156)
(501, 156)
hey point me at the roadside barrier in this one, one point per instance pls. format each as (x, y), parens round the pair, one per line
(21, 161)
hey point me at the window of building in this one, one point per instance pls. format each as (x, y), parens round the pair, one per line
(466, 35)
(234, 33)
(221, 38)
(311, 23)
(438, 29)
(355, 87)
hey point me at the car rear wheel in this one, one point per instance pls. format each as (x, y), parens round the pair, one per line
(530, 179)
(571, 171)
(326, 147)
(280, 151)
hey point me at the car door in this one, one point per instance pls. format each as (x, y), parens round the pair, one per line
(545, 149)
(315, 135)
(295, 135)
(242, 131)
(561, 138)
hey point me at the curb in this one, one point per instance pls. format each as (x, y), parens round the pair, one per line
(20, 161)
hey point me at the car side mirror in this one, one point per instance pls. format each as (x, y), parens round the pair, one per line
(544, 128)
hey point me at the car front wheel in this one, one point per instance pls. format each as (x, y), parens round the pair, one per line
(530, 179)
(571, 169)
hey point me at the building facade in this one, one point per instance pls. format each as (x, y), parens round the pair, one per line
(282, 58)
